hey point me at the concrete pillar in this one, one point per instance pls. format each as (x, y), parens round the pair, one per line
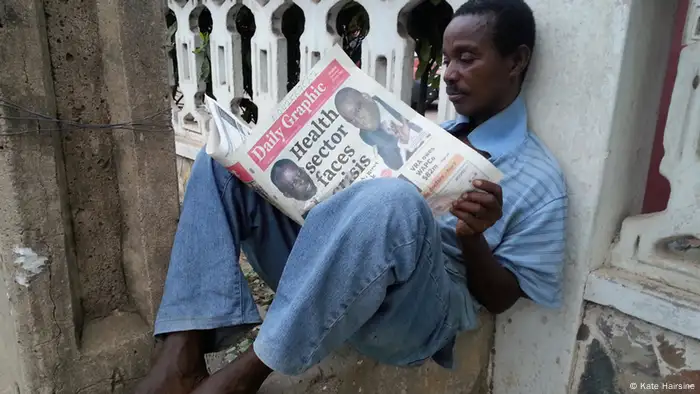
(88, 214)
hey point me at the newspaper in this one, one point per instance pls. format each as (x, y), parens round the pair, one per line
(339, 126)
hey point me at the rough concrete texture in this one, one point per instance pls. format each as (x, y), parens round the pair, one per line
(184, 169)
(347, 372)
(88, 215)
(619, 354)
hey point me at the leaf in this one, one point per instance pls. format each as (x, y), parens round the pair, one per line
(434, 82)
(206, 70)
(421, 69)
(424, 54)
(172, 29)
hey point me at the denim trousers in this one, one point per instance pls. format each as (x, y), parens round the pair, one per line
(366, 269)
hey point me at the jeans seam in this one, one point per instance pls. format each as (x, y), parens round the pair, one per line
(434, 279)
(332, 325)
(228, 182)
(197, 319)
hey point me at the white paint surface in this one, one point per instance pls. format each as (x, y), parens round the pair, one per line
(645, 299)
(592, 96)
(642, 238)
(29, 264)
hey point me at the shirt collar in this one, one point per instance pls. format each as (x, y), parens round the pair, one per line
(502, 133)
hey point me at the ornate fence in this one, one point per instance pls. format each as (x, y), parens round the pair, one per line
(255, 50)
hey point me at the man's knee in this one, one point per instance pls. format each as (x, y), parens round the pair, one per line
(392, 193)
(385, 204)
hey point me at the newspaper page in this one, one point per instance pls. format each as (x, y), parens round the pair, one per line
(339, 126)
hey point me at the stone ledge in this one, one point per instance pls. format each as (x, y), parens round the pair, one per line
(671, 308)
(348, 372)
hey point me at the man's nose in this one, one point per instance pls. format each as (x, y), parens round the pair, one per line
(449, 74)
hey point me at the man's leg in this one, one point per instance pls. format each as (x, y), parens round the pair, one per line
(207, 303)
(367, 269)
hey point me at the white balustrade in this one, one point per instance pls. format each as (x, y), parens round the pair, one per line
(692, 25)
(666, 246)
(190, 119)
(387, 54)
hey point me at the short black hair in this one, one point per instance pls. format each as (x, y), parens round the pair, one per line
(514, 24)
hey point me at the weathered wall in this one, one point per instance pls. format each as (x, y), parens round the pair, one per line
(620, 354)
(88, 214)
(593, 97)
(184, 168)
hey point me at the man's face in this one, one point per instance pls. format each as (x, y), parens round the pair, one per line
(297, 184)
(477, 77)
(361, 111)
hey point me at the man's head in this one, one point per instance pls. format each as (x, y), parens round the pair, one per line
(487, 49)
(358, 108)
(292, 181)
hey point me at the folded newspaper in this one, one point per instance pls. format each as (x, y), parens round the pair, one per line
(339, 126)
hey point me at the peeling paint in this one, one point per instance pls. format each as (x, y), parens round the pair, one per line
(673, 356)
(638, 352)
(29, 264)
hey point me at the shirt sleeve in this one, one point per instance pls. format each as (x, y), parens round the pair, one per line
(534, 251)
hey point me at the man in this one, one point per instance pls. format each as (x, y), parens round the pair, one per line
(392, 140)
(292, 181)
(372, 267)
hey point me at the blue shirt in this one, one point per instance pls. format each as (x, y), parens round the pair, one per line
(529, 239)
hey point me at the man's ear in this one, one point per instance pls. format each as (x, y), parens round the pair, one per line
(520, 59)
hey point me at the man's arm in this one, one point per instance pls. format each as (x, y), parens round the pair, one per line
(493, 286)
(528, 261)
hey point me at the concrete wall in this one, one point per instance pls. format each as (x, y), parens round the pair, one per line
(620, 354)
(593, 97)
(88, 214)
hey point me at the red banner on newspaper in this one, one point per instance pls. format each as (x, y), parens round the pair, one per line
(300, 112)
(240, 171)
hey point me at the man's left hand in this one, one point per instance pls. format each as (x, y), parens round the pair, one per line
(478, 210)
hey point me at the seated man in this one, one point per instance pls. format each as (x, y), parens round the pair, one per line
(372, 267)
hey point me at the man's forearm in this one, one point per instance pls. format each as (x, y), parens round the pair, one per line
(493, 286)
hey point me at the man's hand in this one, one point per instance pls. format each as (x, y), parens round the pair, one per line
(478, 210)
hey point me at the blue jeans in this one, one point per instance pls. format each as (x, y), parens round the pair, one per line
(366, 269)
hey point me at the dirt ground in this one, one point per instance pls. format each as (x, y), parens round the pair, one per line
(263, 298)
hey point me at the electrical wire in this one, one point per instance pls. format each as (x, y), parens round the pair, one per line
(150, 123)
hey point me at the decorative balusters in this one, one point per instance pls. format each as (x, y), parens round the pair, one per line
(318, 36)
(190, 119)
(224, 50)
(387, 54)
(692, 26)
(667, 244)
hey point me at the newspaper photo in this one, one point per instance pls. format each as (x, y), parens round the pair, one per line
(339, 126)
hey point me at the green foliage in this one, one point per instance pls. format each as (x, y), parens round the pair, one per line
(426, 24)
(205, 69)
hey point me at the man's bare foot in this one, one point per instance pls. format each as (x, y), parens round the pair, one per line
(244, 375)
(179, 367)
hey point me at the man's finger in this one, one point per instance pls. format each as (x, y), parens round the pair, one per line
(484, 199)
(474, 223)
(464, 216)
(469, 207)
(489, 187)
